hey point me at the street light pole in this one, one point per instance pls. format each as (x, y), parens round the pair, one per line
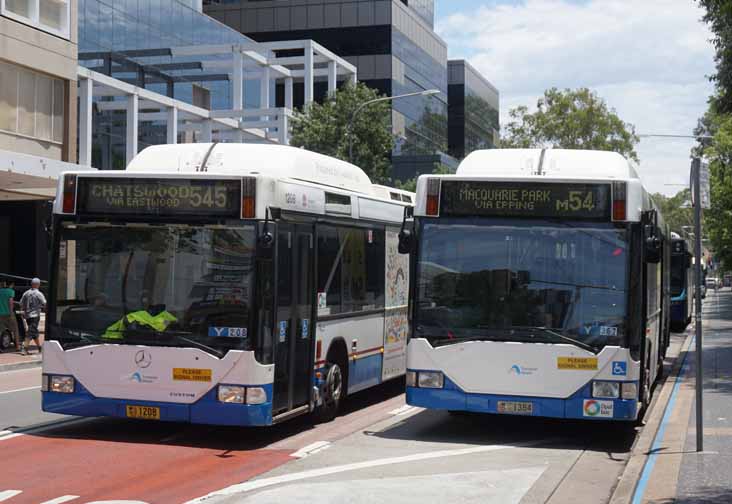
(426, 92)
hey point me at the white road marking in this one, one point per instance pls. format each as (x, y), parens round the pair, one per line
(403, 410)
(507, 486)
(10, 436)
(311, 449)
(314, 473)
(20, 390)
(59, 500)
(43, 427)
(9, 494)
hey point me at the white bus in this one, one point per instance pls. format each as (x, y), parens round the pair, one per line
(223, 284)
(540, 287)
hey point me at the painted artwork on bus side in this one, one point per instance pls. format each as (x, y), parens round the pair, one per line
(396, 322)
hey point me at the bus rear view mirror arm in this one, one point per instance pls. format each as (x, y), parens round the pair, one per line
(406, 236)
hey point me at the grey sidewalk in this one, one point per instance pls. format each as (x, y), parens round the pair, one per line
(707, 477)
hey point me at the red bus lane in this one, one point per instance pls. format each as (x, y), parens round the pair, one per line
(44, 468)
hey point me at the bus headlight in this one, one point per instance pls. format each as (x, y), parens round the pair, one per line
(256, 395)
(630, 390)
(606, 389)
(61, 384)
(411, 378)
(430, 379)
(231, 394)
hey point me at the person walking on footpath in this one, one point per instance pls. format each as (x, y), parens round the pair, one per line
(7, 314)
(32, 304)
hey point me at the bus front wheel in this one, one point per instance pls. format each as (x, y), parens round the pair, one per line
(333, 393)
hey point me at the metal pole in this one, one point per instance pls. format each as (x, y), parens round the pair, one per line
(695, 169)
(349, 126)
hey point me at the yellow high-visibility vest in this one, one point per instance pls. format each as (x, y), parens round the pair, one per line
(158, 322)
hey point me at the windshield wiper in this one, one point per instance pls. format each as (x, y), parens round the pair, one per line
(203, 346)
(556, 334)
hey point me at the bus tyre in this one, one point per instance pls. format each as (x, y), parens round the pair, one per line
(645, 392)
(333, 393)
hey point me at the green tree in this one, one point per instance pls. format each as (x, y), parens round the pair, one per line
(718, 219)
(322, 127)
(719, 18)
(676, 210)
(570, 119)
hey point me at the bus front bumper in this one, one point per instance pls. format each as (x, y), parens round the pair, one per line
(580, 405)
(207, 410)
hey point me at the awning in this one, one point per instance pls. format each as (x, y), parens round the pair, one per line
(20, 187)
(31, 178)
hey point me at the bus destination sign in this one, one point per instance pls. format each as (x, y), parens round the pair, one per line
(525, 199)
(161, 197)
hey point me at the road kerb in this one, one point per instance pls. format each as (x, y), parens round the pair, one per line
(20, 365)
(625, 489)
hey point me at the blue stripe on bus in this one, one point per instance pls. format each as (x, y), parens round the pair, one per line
(207, 410)
(452, 397)
(364, 372)
(680, 297)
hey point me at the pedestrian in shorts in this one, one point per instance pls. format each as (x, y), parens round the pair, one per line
(32, 304)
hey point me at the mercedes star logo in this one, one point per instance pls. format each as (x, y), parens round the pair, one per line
(143, 359)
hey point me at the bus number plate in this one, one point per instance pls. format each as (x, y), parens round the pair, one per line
(145, 412)
(516, 408)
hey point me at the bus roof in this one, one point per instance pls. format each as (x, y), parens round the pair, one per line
(556, 163)
(279, 161)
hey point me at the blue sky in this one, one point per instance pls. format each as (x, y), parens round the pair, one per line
(648, 59)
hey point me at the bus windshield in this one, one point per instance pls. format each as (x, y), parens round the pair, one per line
(159, 285)
(550, 281)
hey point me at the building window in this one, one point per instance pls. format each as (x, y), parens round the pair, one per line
(31, 104)
(52, 16)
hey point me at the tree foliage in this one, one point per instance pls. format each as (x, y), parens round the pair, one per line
(718, 219)
(322, 127)
(719, 18)
(570, 119)
(676, 210)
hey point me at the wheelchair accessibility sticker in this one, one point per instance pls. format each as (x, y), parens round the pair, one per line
(620, 368)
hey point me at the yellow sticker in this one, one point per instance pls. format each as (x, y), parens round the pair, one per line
(580, 363)
(192, 374)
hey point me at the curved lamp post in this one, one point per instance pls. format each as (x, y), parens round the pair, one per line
(426, 92)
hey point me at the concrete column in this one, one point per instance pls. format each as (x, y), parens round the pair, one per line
(237, 83)
(206, 131)
(264, 88)
(353, 78)
(171, 129)
(288, 93)
(332, 77)
(308, 72)
(132, 128)
(284, 134)
(86, 94)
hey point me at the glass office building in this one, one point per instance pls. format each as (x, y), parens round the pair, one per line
(139, 32)
(473, 111)
(391, 42)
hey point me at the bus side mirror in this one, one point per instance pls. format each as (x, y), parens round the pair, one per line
(652, 244)
(406, 241)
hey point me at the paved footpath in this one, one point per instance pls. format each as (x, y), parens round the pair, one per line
(674, 471)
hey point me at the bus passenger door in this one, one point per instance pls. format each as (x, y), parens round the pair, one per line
(293, 330)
